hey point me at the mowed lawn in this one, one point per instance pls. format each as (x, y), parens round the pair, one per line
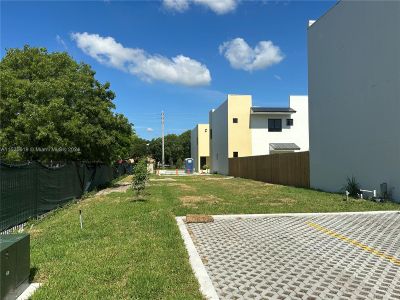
(133, 250)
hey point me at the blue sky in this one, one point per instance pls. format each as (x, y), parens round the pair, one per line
(180, 56)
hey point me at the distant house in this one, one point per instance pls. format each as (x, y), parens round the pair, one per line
(238, 129)
(354, 94)
(200, 146)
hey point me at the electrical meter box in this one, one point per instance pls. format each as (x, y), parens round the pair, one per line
(14, 265)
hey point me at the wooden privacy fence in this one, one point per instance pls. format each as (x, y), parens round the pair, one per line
(285, 168)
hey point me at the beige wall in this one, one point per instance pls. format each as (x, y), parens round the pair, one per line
(239, 134)
(229, 137)
(200, 144)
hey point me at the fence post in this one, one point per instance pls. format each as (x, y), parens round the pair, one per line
(37, 189)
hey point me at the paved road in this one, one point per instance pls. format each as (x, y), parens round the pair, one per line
(314, 257)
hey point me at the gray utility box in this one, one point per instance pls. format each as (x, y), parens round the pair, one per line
(14, 265)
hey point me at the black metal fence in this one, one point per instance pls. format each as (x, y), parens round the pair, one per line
(32, 189)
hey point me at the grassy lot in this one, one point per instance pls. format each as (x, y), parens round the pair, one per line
(133, 249)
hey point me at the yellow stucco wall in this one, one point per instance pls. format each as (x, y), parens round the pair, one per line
(204, 139)
(200, 144)
(239, 134)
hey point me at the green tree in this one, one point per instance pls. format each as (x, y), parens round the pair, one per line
(140, 176)
(155, 148)
(185, 142)
(179, 163)
(176, 147)
(140, 148)
(52, 103)
(171, 161)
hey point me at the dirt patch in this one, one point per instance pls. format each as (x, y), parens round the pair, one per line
(219, 178)
(182, 186)
(127, 179)
(162, 179)
(287, 200)
(280, 202)
(199, 219)
(120, 188)
(34, 232)
(192, 200)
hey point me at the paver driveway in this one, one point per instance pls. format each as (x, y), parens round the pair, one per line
(353, 256)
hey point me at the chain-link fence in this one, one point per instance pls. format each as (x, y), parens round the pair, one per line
(31, 189)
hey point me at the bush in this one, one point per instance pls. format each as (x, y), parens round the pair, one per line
(205, 167)
(352, 186)
(171, 162)
(140, 176)
(179, 163)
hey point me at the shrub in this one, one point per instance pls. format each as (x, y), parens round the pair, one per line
(140, 176)
(179, 163)
(352, 186)
(205, 167)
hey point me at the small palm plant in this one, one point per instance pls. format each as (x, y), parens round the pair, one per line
(352, 186)
(140, 177)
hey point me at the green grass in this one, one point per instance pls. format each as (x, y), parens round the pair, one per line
(133, 250)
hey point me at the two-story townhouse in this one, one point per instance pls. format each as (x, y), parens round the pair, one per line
(238, 129)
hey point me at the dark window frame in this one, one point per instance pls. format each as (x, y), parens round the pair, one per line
(289, 122)
(275, 125)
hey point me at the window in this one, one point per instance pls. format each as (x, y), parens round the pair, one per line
(210, 134)
(235, 154)
(235, 120)
(205, 130)
(275, 125)
(289, 122)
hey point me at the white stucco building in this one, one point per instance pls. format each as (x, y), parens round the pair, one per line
(238, 129)
(293, 128)
(354, 95)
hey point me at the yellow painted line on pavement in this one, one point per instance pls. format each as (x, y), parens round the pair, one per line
(356, 243)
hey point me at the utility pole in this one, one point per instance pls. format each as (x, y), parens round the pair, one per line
(162, 133)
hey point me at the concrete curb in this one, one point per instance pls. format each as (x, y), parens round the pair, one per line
(249, 216)
(206, 286)
(27, 294)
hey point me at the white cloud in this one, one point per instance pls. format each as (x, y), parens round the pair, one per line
(177, 5)
(278, 77)
(218, 6)
(179, 69)
(241, 56)
(61, 41)
(149, 129)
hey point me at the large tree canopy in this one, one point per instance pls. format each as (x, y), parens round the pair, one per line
(140, 148)
(175, 147)
(53, 108)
